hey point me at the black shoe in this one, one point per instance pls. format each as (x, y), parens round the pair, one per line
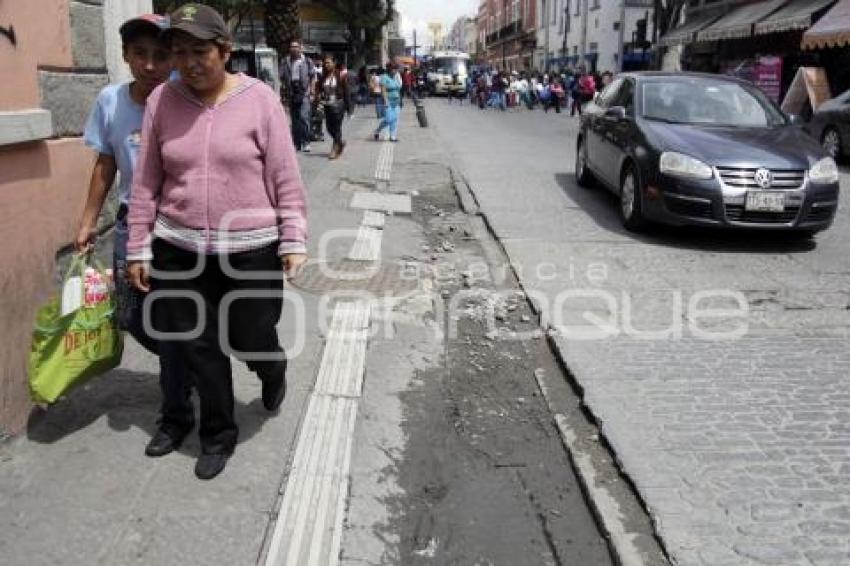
(165, 441)
(274, 390)
(209, 466)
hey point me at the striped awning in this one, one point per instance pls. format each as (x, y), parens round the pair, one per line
(739, 22)
(684, 34)
(794, 16)
(832, 30)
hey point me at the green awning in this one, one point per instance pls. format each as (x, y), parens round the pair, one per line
(684, 34)
(739, 22)
(794, 16)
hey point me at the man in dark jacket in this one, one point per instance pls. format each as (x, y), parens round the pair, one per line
(298, 81)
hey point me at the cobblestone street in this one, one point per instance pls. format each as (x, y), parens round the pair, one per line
(740, 448)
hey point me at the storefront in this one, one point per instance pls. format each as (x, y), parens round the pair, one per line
(760, 42)
(829, 41)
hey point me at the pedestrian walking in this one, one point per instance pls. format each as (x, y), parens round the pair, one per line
(217, 195)
(362, 86)
(391, 94)
(498, 91)
(298, 78)
(557, 95)
(335, 99)
(113, 130)
(407, 80)
(377, 95)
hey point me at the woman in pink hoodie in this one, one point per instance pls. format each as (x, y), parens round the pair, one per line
(218, 211)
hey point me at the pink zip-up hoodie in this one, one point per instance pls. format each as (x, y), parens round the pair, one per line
(209, 173)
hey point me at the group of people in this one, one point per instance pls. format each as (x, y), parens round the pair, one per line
(212, 207)
(326, 93)
(495, 89)
(313, 91)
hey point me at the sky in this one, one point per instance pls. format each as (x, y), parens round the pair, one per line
(415, 14)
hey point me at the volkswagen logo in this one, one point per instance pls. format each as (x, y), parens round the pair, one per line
(764, 178)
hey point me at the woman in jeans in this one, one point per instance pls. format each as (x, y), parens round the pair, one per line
(336, 99)
(217, 209)
(391, 94)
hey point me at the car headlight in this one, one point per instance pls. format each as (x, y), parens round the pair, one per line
(681, 165)
(824, 172)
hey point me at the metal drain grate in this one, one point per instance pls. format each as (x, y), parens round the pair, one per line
(349, 275)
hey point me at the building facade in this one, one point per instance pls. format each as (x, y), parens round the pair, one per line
(573, 33)
(53, 68)
(470, 42)
(508, 29)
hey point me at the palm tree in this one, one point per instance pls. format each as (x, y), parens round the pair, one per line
(282, 23)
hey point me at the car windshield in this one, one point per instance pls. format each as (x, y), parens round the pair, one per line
(703, 101)
(450, 65)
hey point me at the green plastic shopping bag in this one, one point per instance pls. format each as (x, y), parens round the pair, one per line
(71, 348)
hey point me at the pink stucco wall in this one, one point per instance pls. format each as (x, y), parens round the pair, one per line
(42, 192)
(42, 29)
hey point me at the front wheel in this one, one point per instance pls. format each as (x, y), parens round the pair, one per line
(631, 201)
(584, 177)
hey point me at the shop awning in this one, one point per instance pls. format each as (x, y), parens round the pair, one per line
(832, 30)
(739, 22)
(684, 34)
(794, 16)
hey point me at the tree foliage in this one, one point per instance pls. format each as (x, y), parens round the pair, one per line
(232, 11)
(365, 19)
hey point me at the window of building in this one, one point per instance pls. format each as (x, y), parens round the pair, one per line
(595, 5)
(578, 7)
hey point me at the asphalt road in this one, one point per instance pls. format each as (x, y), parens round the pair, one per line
(739, 444)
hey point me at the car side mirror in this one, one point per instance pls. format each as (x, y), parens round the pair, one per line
(616, 113)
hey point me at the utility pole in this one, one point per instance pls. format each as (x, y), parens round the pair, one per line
(415, 60)
(621, 41)
(546, 35)
(584, 32)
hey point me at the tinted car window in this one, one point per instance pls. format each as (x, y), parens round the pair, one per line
(609, 93)
(625, 96)
(709, 102)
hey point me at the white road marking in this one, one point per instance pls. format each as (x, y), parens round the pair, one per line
(386, 202)
(308, 529)
(374, 219)
(383, 169)
(367, 246)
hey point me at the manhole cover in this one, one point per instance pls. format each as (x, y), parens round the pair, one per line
(348, 275)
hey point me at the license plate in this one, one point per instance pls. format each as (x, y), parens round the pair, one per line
(765, 202)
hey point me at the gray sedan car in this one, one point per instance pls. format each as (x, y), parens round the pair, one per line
(688, 148)
(830, 125)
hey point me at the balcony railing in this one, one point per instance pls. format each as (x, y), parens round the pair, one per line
(507, 32)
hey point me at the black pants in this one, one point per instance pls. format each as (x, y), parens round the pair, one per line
(333, 119)
(249, 326)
